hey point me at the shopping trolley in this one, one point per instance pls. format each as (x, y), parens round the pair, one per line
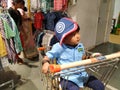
(102, 67)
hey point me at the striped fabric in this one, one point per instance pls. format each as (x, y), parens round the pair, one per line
(9, 36)
(3, 36)
(60, 5)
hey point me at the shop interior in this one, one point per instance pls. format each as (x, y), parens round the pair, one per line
(99, 22)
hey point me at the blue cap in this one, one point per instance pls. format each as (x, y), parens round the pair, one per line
(64, 27)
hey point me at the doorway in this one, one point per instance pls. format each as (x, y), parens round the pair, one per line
(106, 9)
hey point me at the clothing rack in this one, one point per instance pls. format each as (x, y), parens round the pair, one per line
(9, 83)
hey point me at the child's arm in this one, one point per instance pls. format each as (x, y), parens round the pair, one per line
(45, 63)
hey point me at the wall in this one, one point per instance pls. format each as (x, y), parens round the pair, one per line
(86, 13)
(105, 21)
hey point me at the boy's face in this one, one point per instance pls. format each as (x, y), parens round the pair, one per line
(73, 38)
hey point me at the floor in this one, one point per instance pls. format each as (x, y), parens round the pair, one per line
(32, 79)
(107, 48)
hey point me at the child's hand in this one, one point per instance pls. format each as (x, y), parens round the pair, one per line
(96, 55)
(45, 68)
(45, 64)
(85, 57)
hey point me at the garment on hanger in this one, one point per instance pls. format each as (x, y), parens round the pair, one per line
(9, 23)
(36, 4)
(8, 42)
(9, 3)
(46, 5)
(49, 21)
(3, 51)
(10, 34)
(60, 5)
(38, 20)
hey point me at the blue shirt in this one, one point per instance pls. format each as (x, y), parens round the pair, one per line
(67, 54)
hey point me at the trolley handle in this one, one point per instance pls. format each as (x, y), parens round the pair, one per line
(57, 68)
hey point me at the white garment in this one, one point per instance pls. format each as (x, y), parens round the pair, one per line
(9, 4)
(4, 61)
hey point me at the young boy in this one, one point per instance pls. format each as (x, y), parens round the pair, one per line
(67, 50)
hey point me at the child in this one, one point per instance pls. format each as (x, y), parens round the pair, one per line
(67, 50)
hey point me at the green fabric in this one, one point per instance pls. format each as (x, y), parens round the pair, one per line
(13, 32)
(18, 45)
(8, 31)
(46, 5)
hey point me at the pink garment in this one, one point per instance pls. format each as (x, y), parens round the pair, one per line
(60, 5)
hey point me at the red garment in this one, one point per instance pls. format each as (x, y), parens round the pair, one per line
(65, 4)
(22, 40)
(38, 20)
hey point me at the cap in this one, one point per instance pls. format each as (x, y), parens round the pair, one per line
(64, 27)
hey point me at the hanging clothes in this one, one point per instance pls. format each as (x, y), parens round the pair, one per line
(9, 3)
(46, 5)
(65, 5)
(3, 51)
(8, 44)
(60, 5)
(49, 21)
(36, 4)
(9, 24)
(38, 20)
(10, 34)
